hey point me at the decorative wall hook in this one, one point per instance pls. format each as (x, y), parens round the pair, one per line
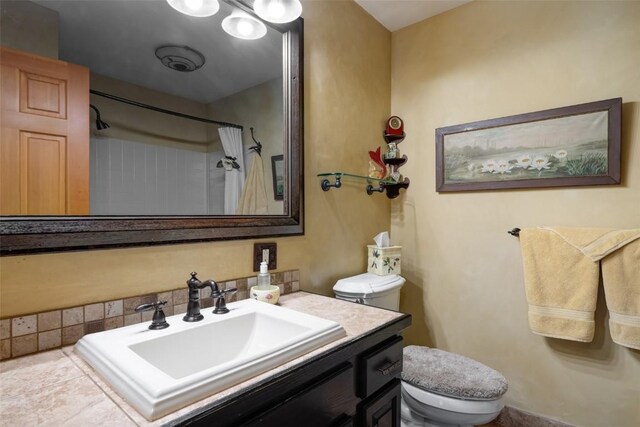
(258, 147)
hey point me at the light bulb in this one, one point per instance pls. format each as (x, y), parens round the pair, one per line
(245, 28)
(193, 4)
(198, 8)
(276, 9)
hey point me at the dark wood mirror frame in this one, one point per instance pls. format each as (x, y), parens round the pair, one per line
(31, 234)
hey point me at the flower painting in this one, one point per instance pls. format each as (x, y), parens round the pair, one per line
(577, 145)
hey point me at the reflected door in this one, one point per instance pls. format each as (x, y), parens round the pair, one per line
(44, 145)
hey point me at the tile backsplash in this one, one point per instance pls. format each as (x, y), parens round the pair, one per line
(37, 332)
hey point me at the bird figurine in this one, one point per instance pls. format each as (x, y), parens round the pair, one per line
(377, 168)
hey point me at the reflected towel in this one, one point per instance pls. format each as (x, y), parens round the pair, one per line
(561, 285)
(253, 200)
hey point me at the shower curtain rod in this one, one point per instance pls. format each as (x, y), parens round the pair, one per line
(162, 110)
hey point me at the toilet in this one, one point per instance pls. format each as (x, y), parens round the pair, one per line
(438, 388)
(371, 289)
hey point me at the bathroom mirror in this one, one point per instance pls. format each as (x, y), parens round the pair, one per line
(277, 126)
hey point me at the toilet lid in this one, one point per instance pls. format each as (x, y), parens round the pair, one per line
(367, 284)
(451, 375)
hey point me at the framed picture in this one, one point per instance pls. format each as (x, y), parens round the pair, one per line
(277, 170)
(576, 145)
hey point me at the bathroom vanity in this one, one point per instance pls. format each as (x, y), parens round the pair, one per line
(353, 381)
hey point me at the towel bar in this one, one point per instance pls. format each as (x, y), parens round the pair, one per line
(515, 232)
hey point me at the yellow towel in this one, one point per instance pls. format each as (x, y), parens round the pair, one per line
(621, 278)
(561, 285)
(596, 243)
(253, 200)
(561, 280)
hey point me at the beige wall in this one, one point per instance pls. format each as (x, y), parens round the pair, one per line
(465, 285)
(261, 108)
(143, 125)
(347, 97)
(27, 26)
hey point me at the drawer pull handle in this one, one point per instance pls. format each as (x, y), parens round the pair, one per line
(390, 367)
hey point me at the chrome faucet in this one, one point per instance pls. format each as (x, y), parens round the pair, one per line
(193, 307)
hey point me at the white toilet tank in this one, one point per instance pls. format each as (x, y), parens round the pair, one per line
(371, 289)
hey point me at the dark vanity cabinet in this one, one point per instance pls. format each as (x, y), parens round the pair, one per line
(354, 384)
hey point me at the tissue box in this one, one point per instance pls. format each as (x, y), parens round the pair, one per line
(384, 261)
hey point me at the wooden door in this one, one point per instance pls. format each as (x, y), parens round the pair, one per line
(44, 139)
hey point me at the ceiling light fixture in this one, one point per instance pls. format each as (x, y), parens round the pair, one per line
(243, 26)
(197, 8)
(180, 58)
(278, 11)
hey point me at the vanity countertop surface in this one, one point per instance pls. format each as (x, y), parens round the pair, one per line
(58, 388)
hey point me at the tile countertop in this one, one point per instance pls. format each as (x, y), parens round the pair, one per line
(58, 388)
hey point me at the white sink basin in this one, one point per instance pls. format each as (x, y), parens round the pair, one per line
(160, 371)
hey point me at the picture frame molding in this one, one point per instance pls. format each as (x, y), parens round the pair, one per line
(614, 117)
(274, 161)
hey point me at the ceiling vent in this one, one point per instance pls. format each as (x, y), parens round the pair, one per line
(180, 58)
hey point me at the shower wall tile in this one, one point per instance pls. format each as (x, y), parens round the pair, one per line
(162, 180)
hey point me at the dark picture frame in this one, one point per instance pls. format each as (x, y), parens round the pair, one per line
(277, 173)
(568, 146)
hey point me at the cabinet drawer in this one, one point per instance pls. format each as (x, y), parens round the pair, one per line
(379, 366)
(383, 408)
(327, 400)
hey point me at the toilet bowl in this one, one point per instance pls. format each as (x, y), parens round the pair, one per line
(446, 389)
(438, 388)
(424, 408)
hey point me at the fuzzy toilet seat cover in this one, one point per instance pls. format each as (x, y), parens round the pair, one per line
(450, 374)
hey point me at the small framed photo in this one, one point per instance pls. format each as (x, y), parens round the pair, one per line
(277, 171)
(568, 146)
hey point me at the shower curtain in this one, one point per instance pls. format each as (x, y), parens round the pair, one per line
(231, 138)
(254, 196)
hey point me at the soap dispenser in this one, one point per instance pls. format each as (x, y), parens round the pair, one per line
(264, 278)
(264, 291)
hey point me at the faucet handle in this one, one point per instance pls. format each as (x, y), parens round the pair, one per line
(193, 282)
(159, 319)
(221, 304)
